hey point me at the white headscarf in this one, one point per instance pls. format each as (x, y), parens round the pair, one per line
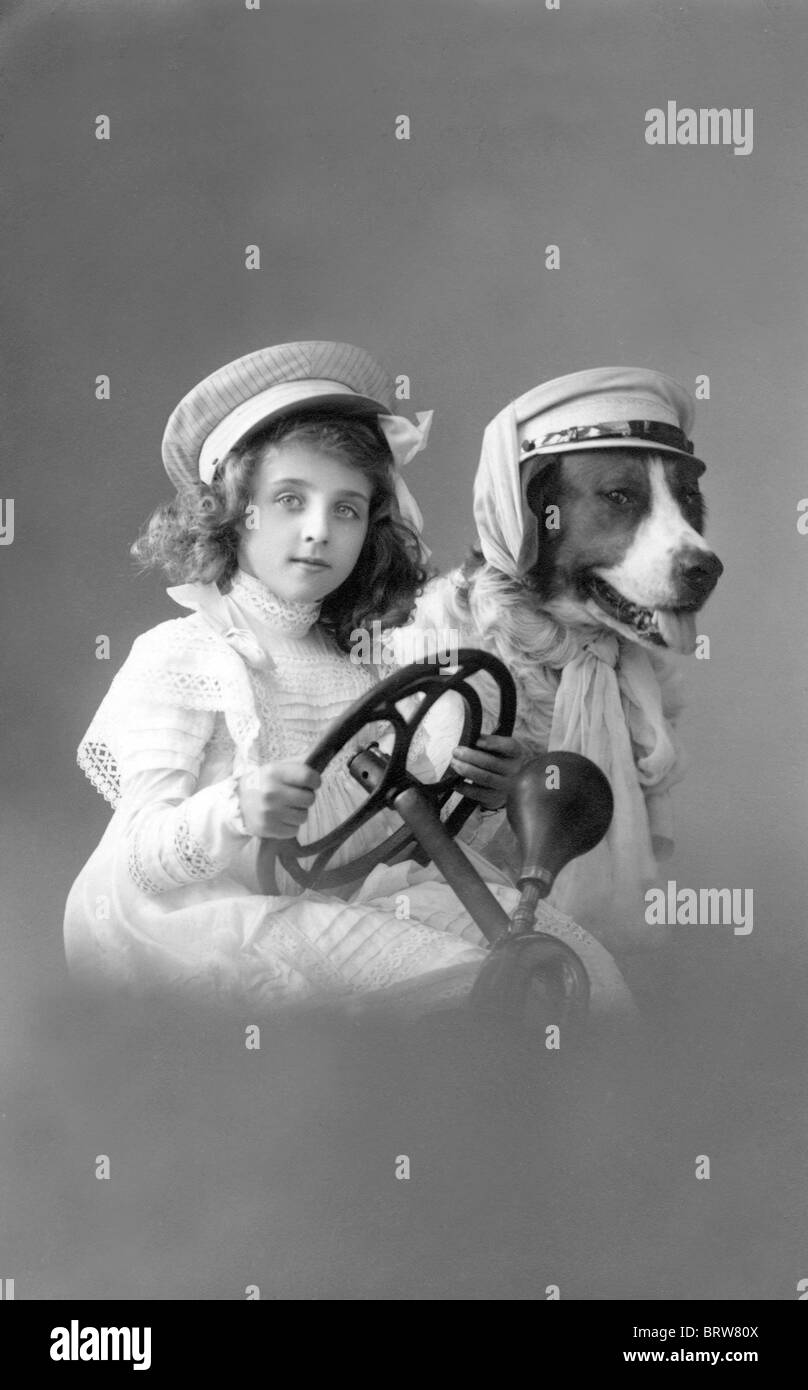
(498, 491)
(608, 707)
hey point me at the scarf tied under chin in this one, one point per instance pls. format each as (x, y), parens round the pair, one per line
(608, 707)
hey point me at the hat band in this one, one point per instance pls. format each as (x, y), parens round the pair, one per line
(653, 430)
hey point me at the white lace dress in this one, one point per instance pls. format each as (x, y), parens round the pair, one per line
(171, 900)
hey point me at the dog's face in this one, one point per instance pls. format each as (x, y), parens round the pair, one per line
(627, 550)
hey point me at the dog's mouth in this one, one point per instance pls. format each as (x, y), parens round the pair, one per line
(674, 628)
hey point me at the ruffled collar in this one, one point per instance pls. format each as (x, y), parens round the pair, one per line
(251, 594)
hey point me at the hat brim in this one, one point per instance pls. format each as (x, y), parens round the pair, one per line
(586, 445)
(338, 405)
(277, 403)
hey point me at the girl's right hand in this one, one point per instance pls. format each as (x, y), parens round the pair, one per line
(275, 798)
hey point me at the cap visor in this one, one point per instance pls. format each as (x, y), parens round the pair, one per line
(582, 446)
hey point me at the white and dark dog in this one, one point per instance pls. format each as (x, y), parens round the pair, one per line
(623, 544)
(590, 568)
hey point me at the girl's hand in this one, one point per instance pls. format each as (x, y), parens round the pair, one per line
(275, 798)
(490, 767)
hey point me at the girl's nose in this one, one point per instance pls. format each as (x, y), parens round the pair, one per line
(315, 525)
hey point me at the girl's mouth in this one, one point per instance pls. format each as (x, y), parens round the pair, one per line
(311, 564)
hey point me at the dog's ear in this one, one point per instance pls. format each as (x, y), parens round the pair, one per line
(541, 485)
(541, 488)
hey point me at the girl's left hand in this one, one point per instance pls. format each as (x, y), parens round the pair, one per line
(490, 767)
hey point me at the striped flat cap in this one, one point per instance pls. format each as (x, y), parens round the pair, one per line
(236, 399)
(606, 408)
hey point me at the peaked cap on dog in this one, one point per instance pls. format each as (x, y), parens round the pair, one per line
(603, 408)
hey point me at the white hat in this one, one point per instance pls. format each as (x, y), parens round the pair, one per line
(221, 411)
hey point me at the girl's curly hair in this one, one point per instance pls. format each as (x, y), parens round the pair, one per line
(196, 536)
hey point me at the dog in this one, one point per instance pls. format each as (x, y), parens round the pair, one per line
(589, 571)
(628, 551)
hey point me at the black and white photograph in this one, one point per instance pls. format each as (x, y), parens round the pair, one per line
(403, 525)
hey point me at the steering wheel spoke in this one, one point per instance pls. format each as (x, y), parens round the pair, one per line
(387, 774)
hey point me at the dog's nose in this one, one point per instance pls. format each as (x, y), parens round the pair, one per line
(700, 571)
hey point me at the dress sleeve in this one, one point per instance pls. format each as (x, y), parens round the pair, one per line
(174, 834)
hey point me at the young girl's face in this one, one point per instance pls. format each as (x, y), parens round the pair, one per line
(310, 525)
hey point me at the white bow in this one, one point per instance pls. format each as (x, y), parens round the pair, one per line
(207, 599)
(405, 440)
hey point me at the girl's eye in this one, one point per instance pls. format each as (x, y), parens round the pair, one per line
(345, 509)
(287, 499)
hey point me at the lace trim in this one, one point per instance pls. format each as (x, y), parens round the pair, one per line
(195, 862)
(100, 766)
(270, 741)
(303, 956)
(448, 986)
(293, 713)
(292, 618)
(387, 969)
(137, 871)
(184, 663)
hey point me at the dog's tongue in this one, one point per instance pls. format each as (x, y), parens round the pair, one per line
(678, 630)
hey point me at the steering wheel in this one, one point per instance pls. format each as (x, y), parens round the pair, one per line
(389, 771)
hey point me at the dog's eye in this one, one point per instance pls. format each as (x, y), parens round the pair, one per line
(620, 498)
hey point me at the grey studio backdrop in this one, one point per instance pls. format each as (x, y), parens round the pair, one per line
(126, 257)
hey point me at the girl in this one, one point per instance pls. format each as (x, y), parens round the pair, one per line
(293, 530)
